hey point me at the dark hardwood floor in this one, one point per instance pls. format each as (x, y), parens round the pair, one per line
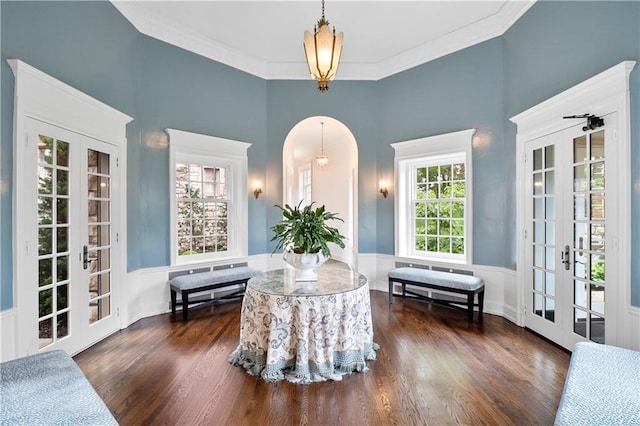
(433, 367)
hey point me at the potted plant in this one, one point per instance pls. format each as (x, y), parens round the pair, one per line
(304, 234)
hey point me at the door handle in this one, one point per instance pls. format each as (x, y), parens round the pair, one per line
(581, 244)
(85, 257)
(564, 256)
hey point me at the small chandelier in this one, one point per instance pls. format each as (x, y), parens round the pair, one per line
(322, 160)
(323, 50)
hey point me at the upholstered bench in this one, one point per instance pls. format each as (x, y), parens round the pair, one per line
(208, 280)
(48, 388)
(458, 283)
(602, 387)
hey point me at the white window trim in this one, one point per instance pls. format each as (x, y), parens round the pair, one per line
(219, 152)
(407, 153)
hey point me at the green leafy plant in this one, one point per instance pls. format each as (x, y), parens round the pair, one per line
(305, 230)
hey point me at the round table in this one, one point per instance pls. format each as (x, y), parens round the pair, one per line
(305, 331)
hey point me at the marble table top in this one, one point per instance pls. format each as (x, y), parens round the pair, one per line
(282, 282)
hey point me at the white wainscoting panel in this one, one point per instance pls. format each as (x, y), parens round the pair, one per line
(8, 335)
(630, 329)
(377, 266)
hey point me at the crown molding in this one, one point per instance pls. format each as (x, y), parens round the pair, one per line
(180, 35)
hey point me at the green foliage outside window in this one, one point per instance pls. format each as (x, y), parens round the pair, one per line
(439, 205)
(53, 216)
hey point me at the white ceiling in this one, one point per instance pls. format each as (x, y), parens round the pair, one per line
(381, 38)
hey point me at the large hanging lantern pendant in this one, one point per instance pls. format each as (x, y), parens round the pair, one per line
(323, 49)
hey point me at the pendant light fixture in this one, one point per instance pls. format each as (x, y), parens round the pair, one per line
(322, 160)
(323, 49)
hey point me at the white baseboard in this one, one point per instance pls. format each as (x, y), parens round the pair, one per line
(145, 293)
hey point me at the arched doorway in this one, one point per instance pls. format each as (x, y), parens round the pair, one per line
(334, 186)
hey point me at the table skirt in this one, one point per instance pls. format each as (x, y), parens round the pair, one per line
(305, 338)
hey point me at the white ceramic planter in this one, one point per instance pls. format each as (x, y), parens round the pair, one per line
(305, 264)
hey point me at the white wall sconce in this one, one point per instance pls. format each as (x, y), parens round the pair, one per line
(257, 189)
(384, 189)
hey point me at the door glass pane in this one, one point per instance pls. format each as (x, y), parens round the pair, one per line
(53, 240)
(98, 234)
(45, 210)
(549, 156)
(580, 293)
(550, 258)
(580, 206)
(537, 304)
(597, 298)
(538, 232)
(597, 328)
(45, 180)
(45, 335)
(537, 280)
(580, 149)
(588, 237)
(550, 309)
(537, 183)
(597, 267)
(597, 237)
(549, 211)
(597, 205)
(45, 241)
(597, 145)
(62, 153)
(63, 324)
(537, 208)
(62, 177)
(63, 296)
(550, 284)
(550, 231)
(549, 182)
(580, 235)
(580, 322)
(543, 226)
(597, 176)
(538, 256)
(579, 260)
(537, 159)
(62, 239)
(579, 178)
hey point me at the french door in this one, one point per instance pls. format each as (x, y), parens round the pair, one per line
(72, 300)
(567, 214)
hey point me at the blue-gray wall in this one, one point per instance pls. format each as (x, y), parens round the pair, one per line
(87, 45)
(93, 48)
(459, 91)
(352, 103)
(179, 90)
(554, 46)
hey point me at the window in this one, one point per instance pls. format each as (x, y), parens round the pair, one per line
(304, 180)
(209, 202)
(202, 203)
(434, 197)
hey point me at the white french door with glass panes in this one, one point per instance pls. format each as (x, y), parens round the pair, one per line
(69, 299)
(569, 212)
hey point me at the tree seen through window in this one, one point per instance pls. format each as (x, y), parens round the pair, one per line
(439, 205)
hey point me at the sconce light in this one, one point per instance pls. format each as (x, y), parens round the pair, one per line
(257, 189)
(384, 190)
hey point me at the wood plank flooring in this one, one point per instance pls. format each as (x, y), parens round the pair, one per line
(433, 367)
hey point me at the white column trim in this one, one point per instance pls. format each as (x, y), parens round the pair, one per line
(605, 93)
(42, 97)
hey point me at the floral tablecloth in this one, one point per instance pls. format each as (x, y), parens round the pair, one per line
(305, 332)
